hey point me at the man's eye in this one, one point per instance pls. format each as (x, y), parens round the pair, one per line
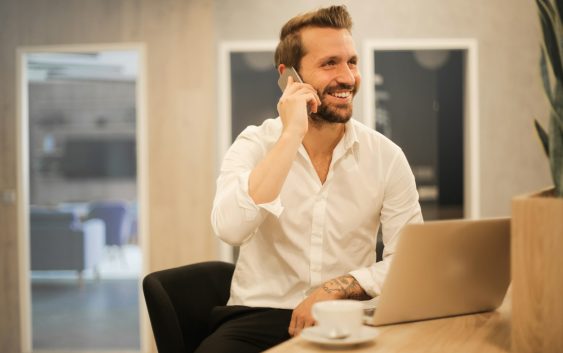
(330, 63)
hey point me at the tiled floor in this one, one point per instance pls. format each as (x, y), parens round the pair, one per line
(93, 315)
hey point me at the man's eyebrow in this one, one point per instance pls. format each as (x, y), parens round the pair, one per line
(337, 58)
(330, 58)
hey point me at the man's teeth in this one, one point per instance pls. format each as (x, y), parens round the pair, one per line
(342, 94)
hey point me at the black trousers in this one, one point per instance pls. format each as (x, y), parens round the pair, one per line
(242, 329)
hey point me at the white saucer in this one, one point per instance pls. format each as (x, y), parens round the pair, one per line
(312, 334)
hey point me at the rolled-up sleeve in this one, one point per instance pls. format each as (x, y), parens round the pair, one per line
(235, 216)
(400, 207)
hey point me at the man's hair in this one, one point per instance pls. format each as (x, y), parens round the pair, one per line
(290, 49)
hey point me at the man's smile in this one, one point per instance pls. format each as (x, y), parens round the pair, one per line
(344, 94)
(341, 93)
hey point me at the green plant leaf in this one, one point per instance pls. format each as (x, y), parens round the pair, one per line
(548, 6)
(554, 94)
(550, 28)
(558, 106)
(556, 155)
(545, 79)
(544, 139)
(552, 49)
(559, 6)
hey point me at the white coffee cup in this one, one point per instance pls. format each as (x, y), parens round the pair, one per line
(338, 318)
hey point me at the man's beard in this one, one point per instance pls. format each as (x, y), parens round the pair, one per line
(333, 113)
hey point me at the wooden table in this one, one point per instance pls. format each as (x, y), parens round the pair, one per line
(479, 333)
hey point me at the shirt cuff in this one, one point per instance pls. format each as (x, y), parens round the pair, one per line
(365, 279)
(251, 209)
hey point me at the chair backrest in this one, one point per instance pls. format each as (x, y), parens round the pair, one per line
(180, 300)
(56, 240)
(39, 217)
(114, 216)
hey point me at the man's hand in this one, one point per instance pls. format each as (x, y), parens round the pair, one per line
(344, 287)
(267, 178)
(293, 104)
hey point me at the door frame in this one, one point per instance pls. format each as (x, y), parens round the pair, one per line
(471, 151)
(22, 146)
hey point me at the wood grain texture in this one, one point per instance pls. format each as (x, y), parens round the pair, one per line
(180, 47)
(478, 333)
(537, 274)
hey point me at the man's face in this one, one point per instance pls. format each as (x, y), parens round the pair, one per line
(330, 66)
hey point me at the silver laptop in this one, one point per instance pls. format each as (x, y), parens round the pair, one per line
(446, 268)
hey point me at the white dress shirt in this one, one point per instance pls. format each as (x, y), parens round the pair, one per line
(313, 232)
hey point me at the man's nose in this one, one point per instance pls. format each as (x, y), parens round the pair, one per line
(346, 75)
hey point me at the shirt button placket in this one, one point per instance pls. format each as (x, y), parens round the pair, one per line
(317, 240)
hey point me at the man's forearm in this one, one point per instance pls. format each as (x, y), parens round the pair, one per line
(267, 179)
(345, 287)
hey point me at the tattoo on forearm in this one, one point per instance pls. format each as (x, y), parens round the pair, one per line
(347, 287)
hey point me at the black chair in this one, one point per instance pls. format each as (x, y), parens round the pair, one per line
(179, 301)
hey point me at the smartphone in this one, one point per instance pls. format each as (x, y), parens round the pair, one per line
(289, 71)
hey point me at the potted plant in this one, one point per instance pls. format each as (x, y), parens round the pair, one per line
(537, 219)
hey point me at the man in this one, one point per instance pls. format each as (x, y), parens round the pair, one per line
(304, 195)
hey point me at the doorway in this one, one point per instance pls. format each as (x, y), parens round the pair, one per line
(82, 160)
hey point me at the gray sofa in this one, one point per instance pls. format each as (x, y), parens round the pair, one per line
(60, 241)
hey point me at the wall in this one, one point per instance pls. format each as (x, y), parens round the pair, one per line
(179, 37)
(98, 110)
(510, 93)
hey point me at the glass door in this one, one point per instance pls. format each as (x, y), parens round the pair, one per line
(84, 249)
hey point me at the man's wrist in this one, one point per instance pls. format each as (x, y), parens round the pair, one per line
(334, 290)
(291, 137)
(345, 287)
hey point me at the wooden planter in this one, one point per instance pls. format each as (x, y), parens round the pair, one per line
(537, 273)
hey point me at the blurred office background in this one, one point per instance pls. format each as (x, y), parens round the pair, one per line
(198, 66)
(84, 248)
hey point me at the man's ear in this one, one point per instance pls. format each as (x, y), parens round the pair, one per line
(281, 68)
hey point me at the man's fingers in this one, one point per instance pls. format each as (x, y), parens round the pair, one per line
(297, 323)
(314, 103)
(312, 100)
(294, 88)
(289, 82)
(318, 99)
(292, 324)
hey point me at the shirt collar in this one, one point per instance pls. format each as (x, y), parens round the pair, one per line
(350, 137)
(348, 141)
